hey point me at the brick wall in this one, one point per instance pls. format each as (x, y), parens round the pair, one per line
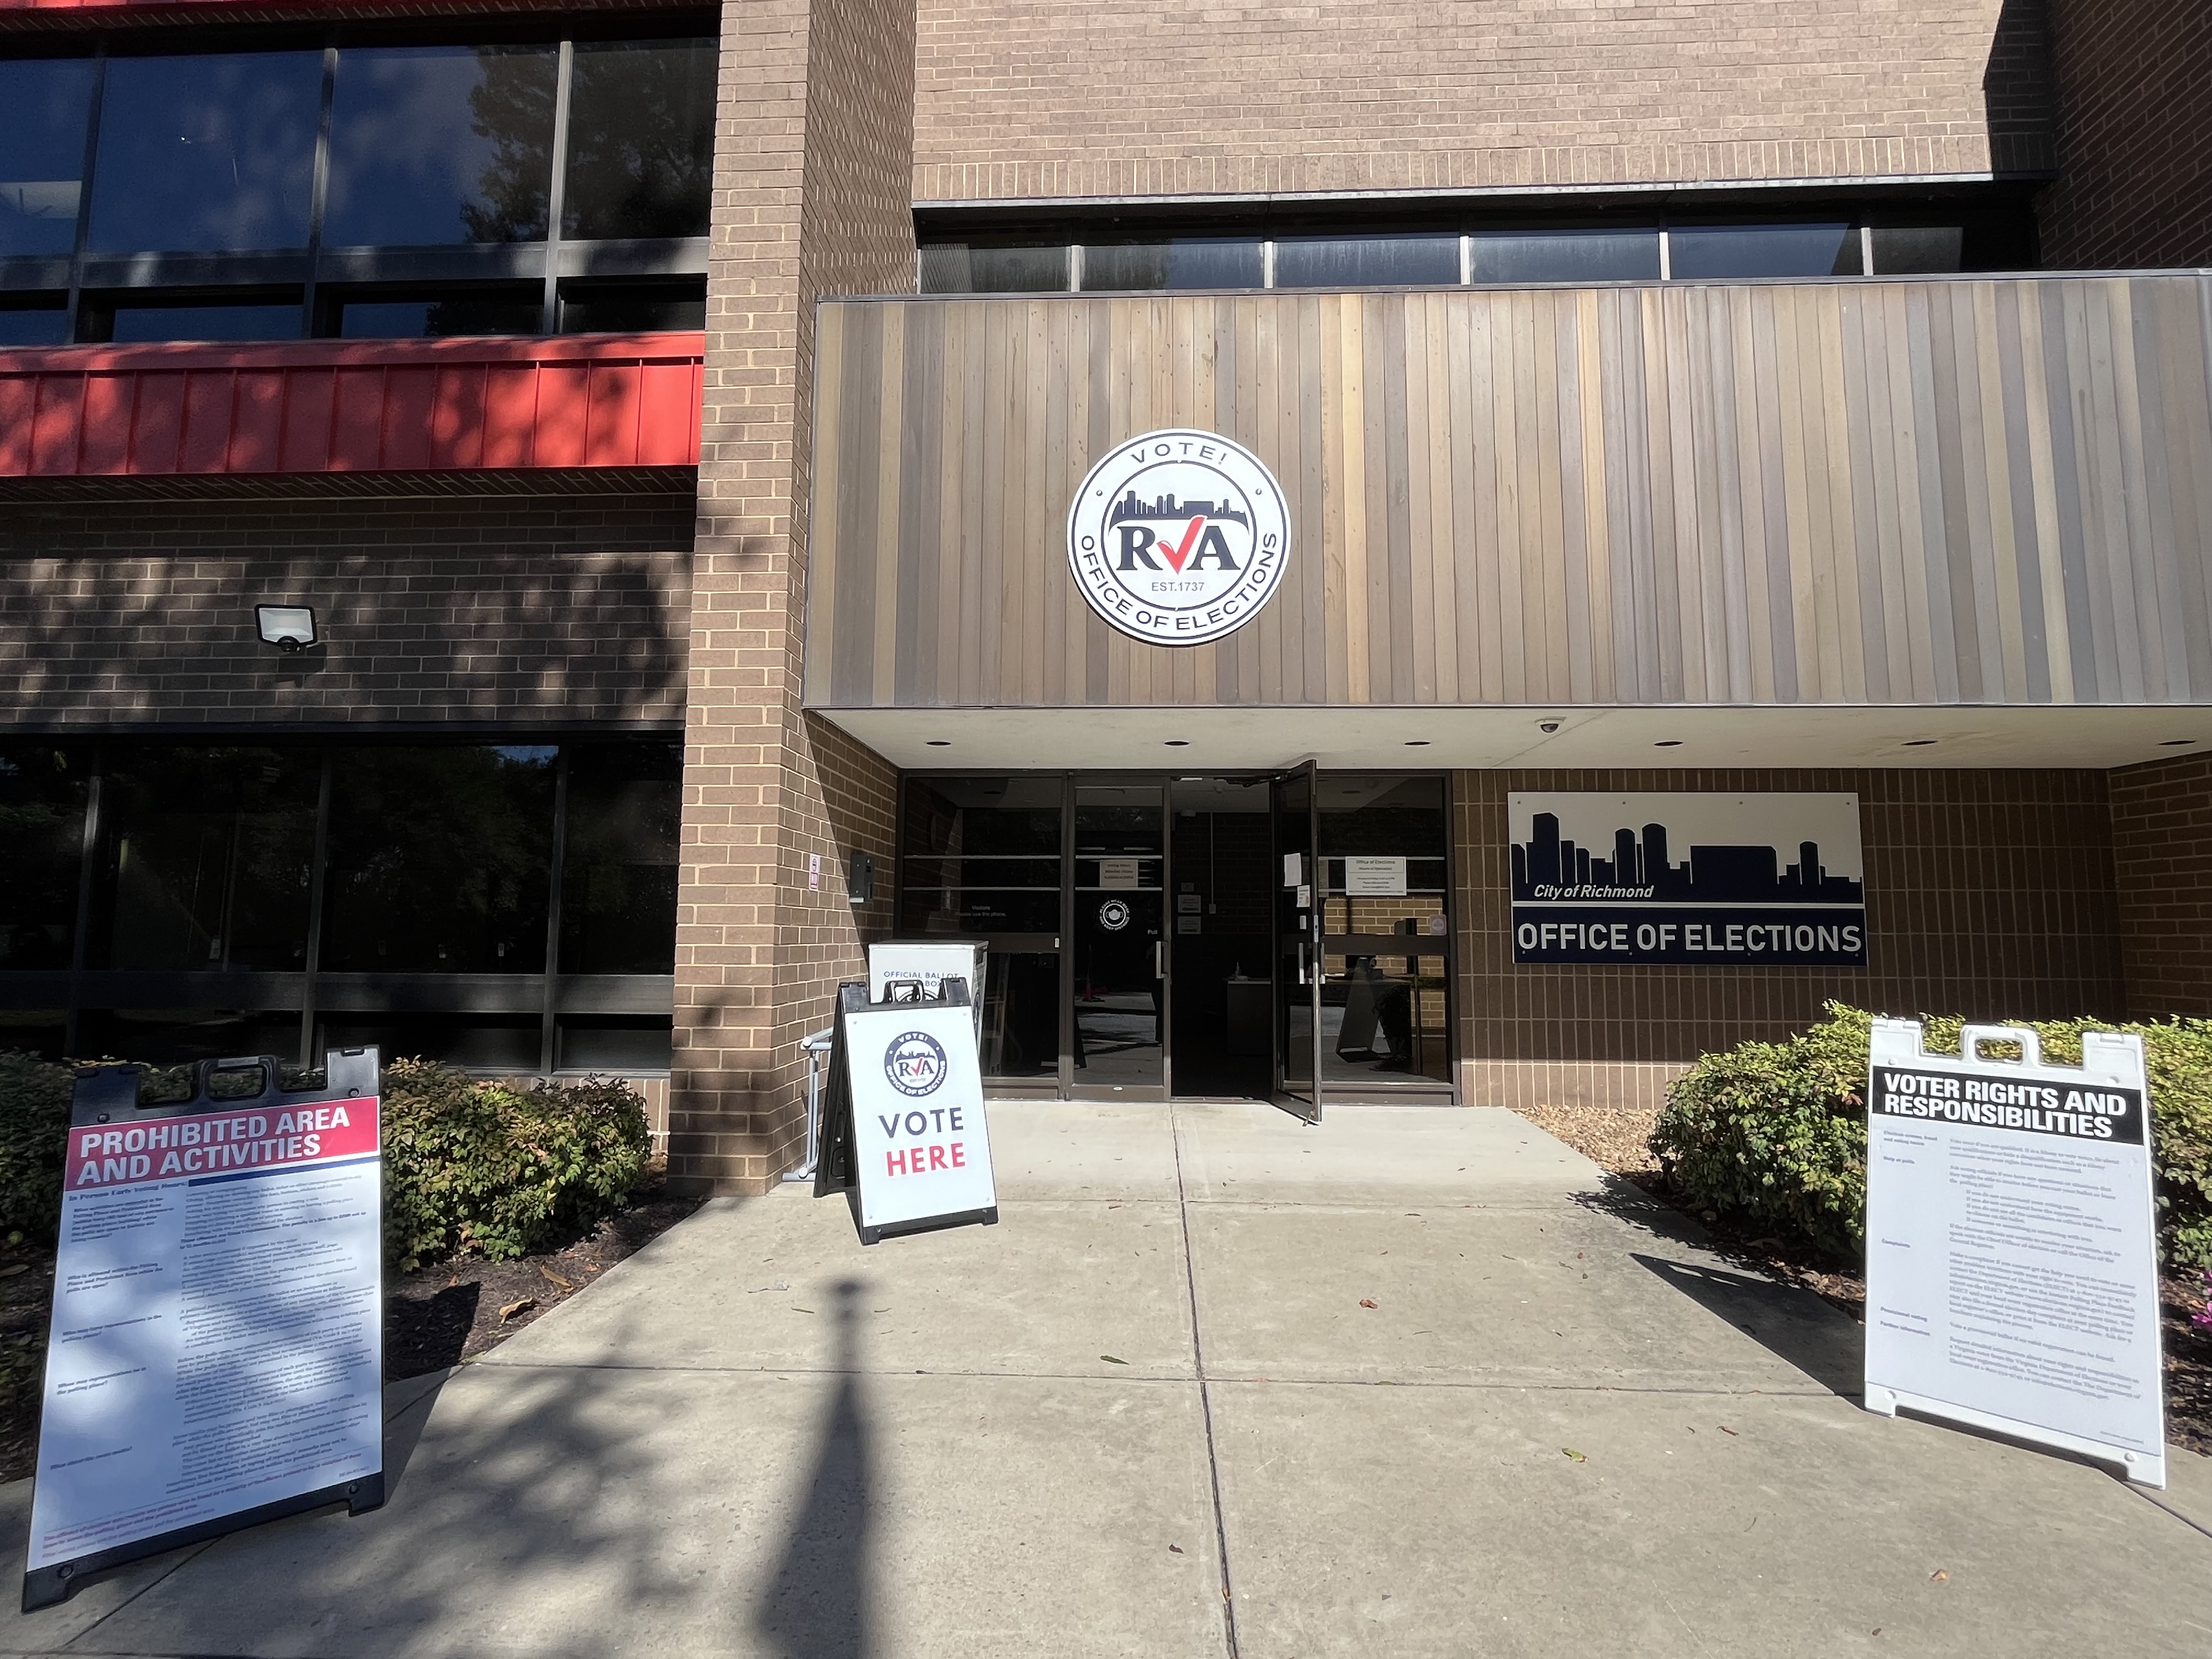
(813, 149)
(2162, 870)
(1989, 894)
(1043, 98)
(2134, 135)
(567, 608)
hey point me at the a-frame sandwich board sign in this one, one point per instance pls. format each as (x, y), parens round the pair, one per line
(215, 1358)
(904, 1133)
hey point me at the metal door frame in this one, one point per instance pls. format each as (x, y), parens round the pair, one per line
(1313, 963)
(1164, 958)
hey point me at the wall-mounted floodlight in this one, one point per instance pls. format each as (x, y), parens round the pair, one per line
(287, 627)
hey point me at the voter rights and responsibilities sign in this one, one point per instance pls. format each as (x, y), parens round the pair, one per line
(2011, 1262)
(216, 1354)
(1718, 880)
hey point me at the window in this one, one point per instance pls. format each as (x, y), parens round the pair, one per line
(206, 925)
(1739, 251)
(1563, 256)
(1910, 250)
(1180, 262)
(640, 139)
(44, 788)
(210, 153)
(436, 145)
(1366, 261)
(957, 268)
(48, 102)
(438, 212)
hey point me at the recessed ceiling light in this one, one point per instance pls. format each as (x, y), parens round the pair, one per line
(1668, 743)
(940, 743)
(1417, 742)
(2177, 743)
(1178, 743)
(1918, 742)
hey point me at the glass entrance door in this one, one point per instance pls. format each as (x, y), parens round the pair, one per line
(1298, 960)
(1119, 932)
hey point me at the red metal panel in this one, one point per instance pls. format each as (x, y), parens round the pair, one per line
(257, 429)
(208, 407)
(409, 390)
(510, 415)
(18, 392)
(348, 406)
(310, 399)
(108, 418)
(157, 430)
(55, 425)
(456, 417)
(563, 394)
(667, 420)
(611, 415)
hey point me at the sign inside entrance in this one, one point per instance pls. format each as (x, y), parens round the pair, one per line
(1375, 877)
(2011, 1264)
(1118, 875)
(1178, 536)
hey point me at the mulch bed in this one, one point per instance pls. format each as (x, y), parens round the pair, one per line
(434, 1318)
(1614, 1139)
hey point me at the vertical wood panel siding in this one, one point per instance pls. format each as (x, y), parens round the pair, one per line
(1979, 491)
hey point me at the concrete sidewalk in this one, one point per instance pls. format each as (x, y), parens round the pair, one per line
(1150, 1413)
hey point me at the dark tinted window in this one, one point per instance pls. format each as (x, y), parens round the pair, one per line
(206, 859)
(500, 313)
(33, 325)
(47, 100)
(645, 309)
(640, 139)
(1905, 250)
(957, 268)
(210, 153)
(1564, 256)
(43, 787)
(1366, 261)
(277, 320)
(440, 859)
(1194, 262)
(432, 144)
(619, 869)
(1725, 251)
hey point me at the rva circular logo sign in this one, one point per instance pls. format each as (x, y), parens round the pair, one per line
(915, 1063)
(1178, 536)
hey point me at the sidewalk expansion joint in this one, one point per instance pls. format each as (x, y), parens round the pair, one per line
(1204, 1394)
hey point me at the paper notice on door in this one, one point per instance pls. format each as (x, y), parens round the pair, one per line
(1118, 875)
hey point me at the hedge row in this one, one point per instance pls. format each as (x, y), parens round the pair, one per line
(1775, 1133)
(469, 1167)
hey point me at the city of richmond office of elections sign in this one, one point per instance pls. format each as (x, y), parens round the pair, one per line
(1178, 536)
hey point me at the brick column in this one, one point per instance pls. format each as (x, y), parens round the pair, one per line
(813, 151)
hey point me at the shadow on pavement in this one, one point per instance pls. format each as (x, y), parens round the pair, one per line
(1795, 1325)
(816, 1606)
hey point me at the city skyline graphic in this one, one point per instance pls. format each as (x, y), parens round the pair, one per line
(1640, 867)
(1170, 508)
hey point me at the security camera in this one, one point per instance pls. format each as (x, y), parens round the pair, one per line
(1548, 726)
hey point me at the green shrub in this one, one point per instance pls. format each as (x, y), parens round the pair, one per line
(34, 1114)
(468, 1165)
(1775, 1131)
(486, 1167)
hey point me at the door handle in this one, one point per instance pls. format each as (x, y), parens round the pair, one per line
(1159, 969)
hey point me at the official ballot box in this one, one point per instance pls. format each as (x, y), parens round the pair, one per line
(215, 1355)
(929, 962)
(903, 1133)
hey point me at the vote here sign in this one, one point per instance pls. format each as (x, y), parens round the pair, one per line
(921, 1148)
(216, 1343)
(2012, 1274)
